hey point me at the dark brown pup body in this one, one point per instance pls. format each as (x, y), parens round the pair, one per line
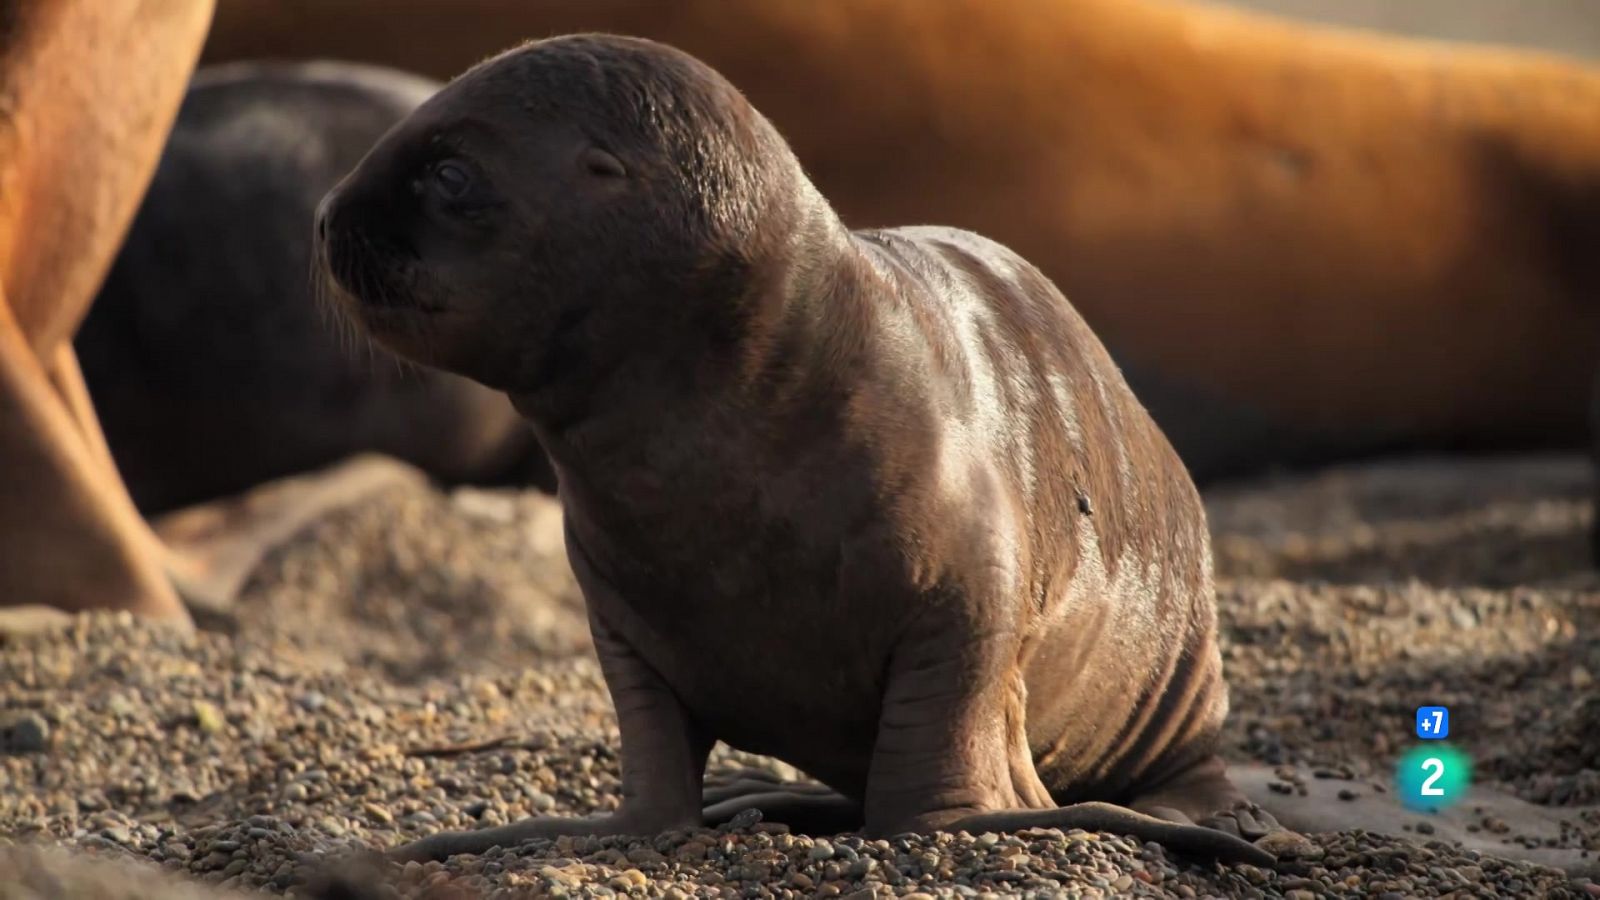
(1301, 243)
(875, 503)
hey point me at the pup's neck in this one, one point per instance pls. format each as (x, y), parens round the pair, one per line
(687, 396)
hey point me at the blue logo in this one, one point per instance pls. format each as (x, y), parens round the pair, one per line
(1433, 723)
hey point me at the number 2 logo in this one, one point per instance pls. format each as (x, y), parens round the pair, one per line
(1435, 765)
(1432, 777)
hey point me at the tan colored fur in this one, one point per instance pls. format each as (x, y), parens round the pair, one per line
(88, 90)
(1369, 235)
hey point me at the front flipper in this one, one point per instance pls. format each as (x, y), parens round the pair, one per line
(1203, 794)
(663, 756)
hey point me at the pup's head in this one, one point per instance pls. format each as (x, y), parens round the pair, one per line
(555, 209)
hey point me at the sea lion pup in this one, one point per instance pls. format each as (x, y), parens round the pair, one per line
(211, 364)
(875, 503)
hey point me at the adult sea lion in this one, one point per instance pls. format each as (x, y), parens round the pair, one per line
(87, 92)
(210, 363)
(1302, 242)
(893, 466)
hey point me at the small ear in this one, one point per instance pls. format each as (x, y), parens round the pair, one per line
(599, 162)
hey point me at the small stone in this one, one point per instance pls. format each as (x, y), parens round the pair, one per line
(27, 733)
(559, 876)
(1424, 828)
(821, 850)
(644, 855)
(632, 878)
(1292, 844)
(208, 718)
(377, 812)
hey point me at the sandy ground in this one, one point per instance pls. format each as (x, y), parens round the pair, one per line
(420, 662)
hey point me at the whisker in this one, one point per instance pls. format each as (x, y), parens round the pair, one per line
(335, 302)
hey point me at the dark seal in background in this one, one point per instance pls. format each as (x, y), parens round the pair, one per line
(208, 358)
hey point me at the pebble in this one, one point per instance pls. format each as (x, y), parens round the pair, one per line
(26, 733)
(208, 718)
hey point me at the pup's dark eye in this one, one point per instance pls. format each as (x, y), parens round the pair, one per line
(599, 162)
(451, 179)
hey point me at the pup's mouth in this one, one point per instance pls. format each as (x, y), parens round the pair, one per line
(346, 259)
(360, 270)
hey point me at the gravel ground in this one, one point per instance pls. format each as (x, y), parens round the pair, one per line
(420, 662)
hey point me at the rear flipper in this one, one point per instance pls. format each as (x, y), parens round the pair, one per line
(1204, 795)
(803, 811)
(1184, 838)
(806, 807)
(814, 809)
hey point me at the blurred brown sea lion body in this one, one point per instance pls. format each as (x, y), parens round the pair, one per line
(1301, 242)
